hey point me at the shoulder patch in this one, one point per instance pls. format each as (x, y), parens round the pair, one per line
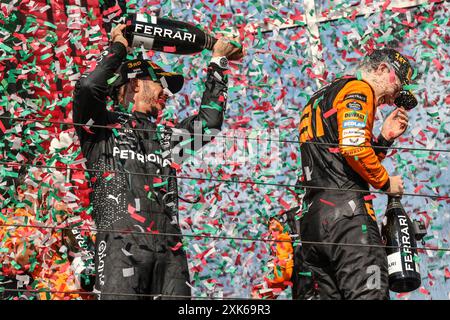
(354, 106)
(356, 96)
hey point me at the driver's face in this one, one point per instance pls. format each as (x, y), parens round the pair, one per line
(392, 88)
(152, 95)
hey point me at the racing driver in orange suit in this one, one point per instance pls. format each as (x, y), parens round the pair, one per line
(342, 113)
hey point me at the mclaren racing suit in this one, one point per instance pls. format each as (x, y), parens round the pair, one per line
(145, 198)
(340, 113)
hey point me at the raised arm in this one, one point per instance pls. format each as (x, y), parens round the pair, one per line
(89, 105)
(211, 113)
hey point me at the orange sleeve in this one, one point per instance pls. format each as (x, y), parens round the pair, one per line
(355, 116)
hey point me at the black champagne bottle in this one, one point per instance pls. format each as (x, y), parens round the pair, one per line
(166, 35)
(398, 231)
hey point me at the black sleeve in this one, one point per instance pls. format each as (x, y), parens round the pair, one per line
(209, 119)
(381, 142)
(381, 153)
(91, 91)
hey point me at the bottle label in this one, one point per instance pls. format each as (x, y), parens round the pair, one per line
(153, 31)
(145, 41)
(394, 263)
(406, 239)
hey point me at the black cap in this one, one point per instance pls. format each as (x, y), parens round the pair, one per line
(404, 71)
(140, 68)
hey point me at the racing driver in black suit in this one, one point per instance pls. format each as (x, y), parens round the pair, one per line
(134, 161)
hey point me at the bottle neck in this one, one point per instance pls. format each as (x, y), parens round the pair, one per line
(210, 41)
(394, 203)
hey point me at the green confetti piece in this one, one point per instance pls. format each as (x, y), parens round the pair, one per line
(364, 228)
(359, 75)
(410, 87)
(130, 107)
(185, 142)
(212, 105)
(111, 80)
(433, 114)
(160, 184)
(46, 56)
(16, 265)
(49, 24)
(305, 274)
(6, 48)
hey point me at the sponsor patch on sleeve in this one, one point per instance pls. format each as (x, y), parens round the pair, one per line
(353, 141)
(354, 106)
(354, 115)
(353, 124)
(352, 133)
(356, 96)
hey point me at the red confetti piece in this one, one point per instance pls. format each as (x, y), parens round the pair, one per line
(288, 283)
(107, 174)
(438, 64)
(401, 10)
(424, 291)
(446, 273)
(334, 150)
(157, 180)
(329, 113)
(2, 127)
(281, 46)
(176, 166)
(86, 128)
(327, 202)
(403, 294)
(170, 49)
(416, 190)
(149, 228)
(131, 209)
(298, 35)
(385, 5)
(369, 197)
(176, 247)
(285, 204)
(447, 99)
(138, 217)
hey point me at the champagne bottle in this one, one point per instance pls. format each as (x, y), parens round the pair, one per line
(398, 231)
(81, 255)
(166, 35)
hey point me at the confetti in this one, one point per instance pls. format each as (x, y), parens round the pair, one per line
(267, 91)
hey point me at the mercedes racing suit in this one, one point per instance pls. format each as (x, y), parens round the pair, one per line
(145, 199)
(340, 113)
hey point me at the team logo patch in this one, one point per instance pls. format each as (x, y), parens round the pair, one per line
(354, 106)
(356, 96)
(354, 115)
(353, 124)
(353, 141)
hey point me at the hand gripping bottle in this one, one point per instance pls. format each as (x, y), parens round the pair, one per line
(166, 35)
(398, 231)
